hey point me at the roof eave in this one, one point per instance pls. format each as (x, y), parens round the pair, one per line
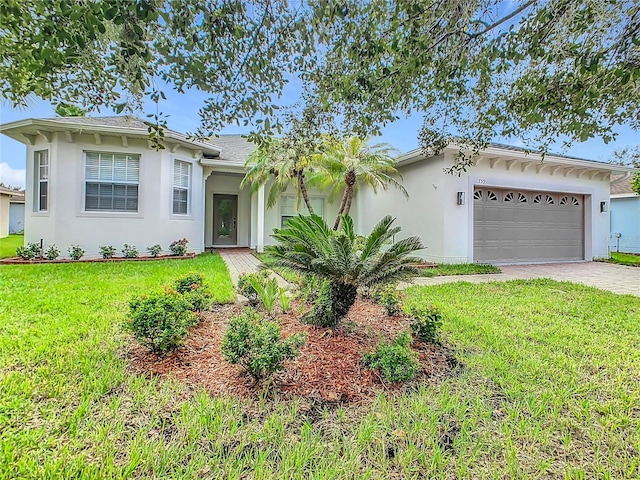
(56, 125)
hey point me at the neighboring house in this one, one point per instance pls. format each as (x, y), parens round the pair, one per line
(16, 212)
(98, 181)
(5, 196)
(510, 207)
(625, 216)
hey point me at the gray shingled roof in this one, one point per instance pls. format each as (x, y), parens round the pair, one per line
(621, 187)
(126, 121)
(235, 148)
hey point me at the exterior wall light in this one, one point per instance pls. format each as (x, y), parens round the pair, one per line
(460, 198)
(604, 207)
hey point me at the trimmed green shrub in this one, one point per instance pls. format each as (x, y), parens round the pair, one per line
(160, 321)
(258, 345)
(30, 251)
(394, 360)
(390, 299)
(179, 247)
(52, 253)
(426, 322)
(155, 250)
(195, 291)
(108, 251)
(130, 251)
(75, 252)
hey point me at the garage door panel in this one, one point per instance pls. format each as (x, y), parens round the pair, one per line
(520, 226)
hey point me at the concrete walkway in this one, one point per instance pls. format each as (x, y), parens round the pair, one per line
(242, 260)
(607, 276)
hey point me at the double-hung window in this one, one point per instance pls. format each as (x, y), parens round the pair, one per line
(289, 209)
(111, 182)
(41, 175)
(181, 182)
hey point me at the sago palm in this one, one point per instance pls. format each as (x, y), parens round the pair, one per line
(275, 161)
(309, 246)
(352, 162)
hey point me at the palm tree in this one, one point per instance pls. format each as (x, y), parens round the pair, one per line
(352, 162)
(347, 262)
(284, 165)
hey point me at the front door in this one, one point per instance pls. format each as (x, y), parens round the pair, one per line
(225, 219)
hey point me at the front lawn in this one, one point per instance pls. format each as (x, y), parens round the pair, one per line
(630, 259)
(459, 269)
(549, 388)
(9, 244)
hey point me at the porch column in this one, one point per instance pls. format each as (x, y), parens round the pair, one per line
(260, 226)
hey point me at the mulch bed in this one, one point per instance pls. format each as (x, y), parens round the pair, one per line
(20, 261)
(328, 368)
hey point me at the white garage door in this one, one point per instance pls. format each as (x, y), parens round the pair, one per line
(522, 226)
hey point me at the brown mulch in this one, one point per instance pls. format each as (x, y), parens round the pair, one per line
(329, 366)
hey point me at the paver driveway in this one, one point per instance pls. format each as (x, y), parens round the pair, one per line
(607, 276)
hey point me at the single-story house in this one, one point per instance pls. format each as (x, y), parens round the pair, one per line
(94, 181)
(98, 181)
(625, 216)
(509, 207)
(16, 212)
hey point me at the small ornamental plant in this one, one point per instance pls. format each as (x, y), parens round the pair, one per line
(130, 251)
(179, 247)
(160, 321)
(194, 290)
(426, 323)
(394, 360)
(155, 250)
(246, 284)
(76, 252)
(108, 251)
(30, 251)
(259, 345)
(52, 253)
(390, 299)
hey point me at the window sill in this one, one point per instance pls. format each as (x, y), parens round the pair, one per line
(175, 216)
(110, 214)
(40, 214)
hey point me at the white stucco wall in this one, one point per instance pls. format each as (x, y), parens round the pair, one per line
(421, 214)
(67, 223)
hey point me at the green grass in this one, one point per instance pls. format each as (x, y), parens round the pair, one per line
(628, 259)
(9, 244)
(459, 269)
(550, 389)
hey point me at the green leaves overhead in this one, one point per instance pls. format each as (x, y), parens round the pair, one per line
(535, 70)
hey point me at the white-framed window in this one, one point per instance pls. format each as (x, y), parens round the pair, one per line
(41, 176)
(111, 182)
(181, 186)
(288, 208)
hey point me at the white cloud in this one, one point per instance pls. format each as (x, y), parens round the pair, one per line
(12, 176)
